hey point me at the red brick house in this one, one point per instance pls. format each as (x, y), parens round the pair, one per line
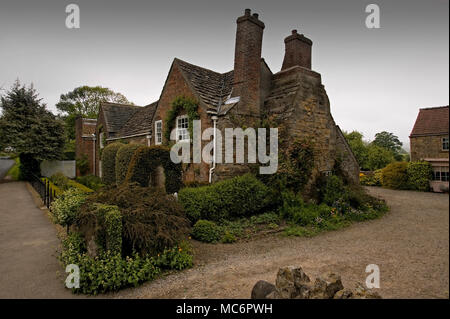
(242, 97)
(429, 142)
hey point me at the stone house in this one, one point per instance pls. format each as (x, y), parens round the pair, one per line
(294, 97)
(429, 142)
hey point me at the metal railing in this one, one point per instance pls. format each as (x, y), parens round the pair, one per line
(43, 188)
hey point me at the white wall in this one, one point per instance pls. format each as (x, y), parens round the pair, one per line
(48, 168)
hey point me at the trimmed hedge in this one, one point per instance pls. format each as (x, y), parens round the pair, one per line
(206, 231)
(395, 176)
(123, 159)
(240, 196)
(145, 161)
(419, 175)
(109, 163)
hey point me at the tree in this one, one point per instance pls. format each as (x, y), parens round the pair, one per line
(84, 101)
(388, 141)
(27, 126)
(358, 146)
(378, 157)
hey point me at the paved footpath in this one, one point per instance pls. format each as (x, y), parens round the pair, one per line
(28, 248)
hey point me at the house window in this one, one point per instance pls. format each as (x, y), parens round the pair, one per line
(158, 132)
(182, 128)
(440, 173)
(445, 144)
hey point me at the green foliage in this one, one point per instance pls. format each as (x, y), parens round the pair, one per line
(419, 175)
(358, 146)
(178, 105)
(113, 228)
(236, 197)
(123, 159)
(334, 190)
(28, 127)
(14, 171)
(84, 101)
(83, 164)
(228, 238)
(65, 209)
(144, 163)
(395, 176)
(91, 181)
(63, 183)
(28, 166)
(178, 257)
(378, 157)
(206, 231)
(151, 219)
(371, 179)
(109, 163)
(388, 141)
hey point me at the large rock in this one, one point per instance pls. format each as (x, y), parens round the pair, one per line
(292, 282)
(326, 286)
(360, 292)
(262, 289)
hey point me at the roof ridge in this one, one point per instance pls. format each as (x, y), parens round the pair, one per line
(197, 66)
(119, 104)
(433, 107)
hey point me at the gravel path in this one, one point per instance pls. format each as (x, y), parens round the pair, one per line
(410, 244)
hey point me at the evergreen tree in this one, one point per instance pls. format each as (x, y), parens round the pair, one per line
(27, 126)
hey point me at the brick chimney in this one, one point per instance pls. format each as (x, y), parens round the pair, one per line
(247, 63)
(298, 51)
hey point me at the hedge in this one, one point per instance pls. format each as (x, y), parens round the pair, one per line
(109, 162)
(240, 196)
(144, 162)
(206, 231)
(395, 176)
(123, 159)
(419, 175)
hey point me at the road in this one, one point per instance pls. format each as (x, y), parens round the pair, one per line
(5, 165)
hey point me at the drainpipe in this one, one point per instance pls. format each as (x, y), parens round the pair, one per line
(148, 139)
(94, 159)
(211, 170)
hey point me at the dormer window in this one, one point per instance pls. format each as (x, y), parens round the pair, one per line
(182, 128)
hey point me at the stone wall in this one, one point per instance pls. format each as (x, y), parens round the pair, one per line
(427, 147)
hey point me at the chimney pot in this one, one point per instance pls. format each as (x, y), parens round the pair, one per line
(247, 12)
(255, 15)
(294, 31)
(298, 51)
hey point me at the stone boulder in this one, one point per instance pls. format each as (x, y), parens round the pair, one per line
(262, 289)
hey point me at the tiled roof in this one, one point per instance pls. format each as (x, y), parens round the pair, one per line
(116, 115)
(431, 121)
(140, 122)
(212, 87)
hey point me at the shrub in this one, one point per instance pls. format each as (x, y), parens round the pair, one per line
(144, 162)
(370, 179)
(178, 257)
(65, 209)
(91, 181)
(206, 231)
(82, 164)
(109, 163)
(151, 219)
(228, 238)
(395, 176)
(236, 197)
(333, 190)
(123, 159)
(419, 175)
(64, 183)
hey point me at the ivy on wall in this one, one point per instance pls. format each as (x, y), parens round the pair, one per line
(178, 105)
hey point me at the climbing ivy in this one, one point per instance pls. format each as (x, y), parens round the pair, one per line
(178, 104)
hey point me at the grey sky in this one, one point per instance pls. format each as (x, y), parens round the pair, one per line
(376, 78)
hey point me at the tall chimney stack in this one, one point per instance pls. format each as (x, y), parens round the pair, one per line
(298, 51)
(247, 63)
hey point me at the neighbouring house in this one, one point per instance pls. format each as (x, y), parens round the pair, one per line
(85, 132)
(243, 97)
(429, 142)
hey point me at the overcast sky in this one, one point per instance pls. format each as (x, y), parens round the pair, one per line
(376, 79)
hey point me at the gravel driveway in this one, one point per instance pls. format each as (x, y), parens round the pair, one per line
(410, 244)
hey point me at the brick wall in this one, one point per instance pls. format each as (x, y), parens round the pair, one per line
(84, 142)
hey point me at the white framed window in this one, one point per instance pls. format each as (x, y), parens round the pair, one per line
(158, 132)
(182, 128)
(445, 144)
(440, 173)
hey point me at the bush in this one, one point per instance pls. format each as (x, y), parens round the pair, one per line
(206, 231)
(123, 159)
(333, 190)
(236, 197)
(144, 162)
(65, 209)
(109, 163)
(419, 175)
(178, 257)
(228, 238)
(82, 164)
(91, 181)
(395, 176)
(370, 179)
(151, 219)
(64, 183)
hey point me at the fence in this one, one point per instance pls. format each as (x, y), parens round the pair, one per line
(44, 190)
